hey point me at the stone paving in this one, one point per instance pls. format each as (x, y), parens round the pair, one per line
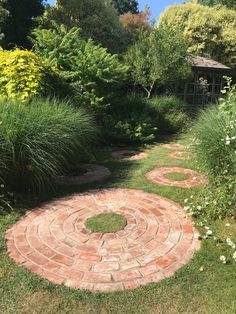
(53, 242)
(158, 176)
(94, 173)
(129, 155)
(181, 155)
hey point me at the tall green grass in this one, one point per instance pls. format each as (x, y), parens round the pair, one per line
(38, 139)
(210, 133)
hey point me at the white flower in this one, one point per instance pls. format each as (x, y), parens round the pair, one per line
(234, 256)
(199, 207)
(186, 200)
(209, 232)
(227, 225)
(186, 208)
(227, 142)
(2, 186)
(207, 228)
(230, 243)
(223, 259)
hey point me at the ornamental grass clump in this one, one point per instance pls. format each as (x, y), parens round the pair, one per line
(38, 139)
(214, 142)
(214, 135)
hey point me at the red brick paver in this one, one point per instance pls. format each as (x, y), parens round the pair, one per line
(94, 173)
(173, 146)
(158, 176)
(129, 155)
(181, 155)
(53, 242)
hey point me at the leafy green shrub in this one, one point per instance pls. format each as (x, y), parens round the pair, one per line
(89, 69)
(23, 75)
(169, 114)
(127, 120)
(38, 139)
(133, 131)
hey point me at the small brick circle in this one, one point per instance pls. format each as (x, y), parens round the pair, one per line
(53, 242)
(181, 155)
(94, 173)
(173, 146)
(129, 155)
(158, 176)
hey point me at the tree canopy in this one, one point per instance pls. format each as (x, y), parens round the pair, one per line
(125, 6)
(19, 20)
(228, 3)
(135, 23)
(208, 31)
(98, 20)
(158, 58)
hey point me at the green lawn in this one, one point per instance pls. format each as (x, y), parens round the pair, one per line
(176, 176)
(204, 285)
(106, 223)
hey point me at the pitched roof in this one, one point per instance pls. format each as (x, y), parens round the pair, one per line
(207, 63)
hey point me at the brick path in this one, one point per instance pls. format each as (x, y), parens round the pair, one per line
(52, 241)
(94, 173)
(173, 146)
(158, 176)
(181, 155)
(135, 155)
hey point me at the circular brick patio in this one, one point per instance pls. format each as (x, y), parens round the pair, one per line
(158, 176)
(93, 173)
(129, 155)
(181, 155)
(173, 146)
(53, 242)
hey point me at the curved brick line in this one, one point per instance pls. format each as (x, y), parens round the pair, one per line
(173, 146)
(136, 155)
(158, 176)
(179, 155)
(116, 260)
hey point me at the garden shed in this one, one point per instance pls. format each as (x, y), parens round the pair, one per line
(206, 83)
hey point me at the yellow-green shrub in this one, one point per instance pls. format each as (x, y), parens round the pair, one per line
(23, 75)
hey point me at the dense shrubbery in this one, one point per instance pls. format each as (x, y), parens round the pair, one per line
(169, 114)
(91, 72)
(127, 120)
(38, 139)
(214, 142)
(23, 75)
(138, 120)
